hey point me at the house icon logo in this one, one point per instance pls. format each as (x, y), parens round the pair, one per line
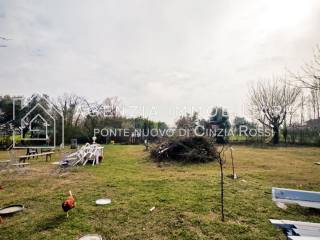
(38, 123)
(45, 124)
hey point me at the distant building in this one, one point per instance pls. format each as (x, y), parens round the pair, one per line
(313, 123)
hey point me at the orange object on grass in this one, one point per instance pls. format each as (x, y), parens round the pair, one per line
(69, 203)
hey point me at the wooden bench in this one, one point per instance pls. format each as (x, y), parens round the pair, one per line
(298, 230)
(20, 164)
(302, 198)
(4, 164)
(32, 152)
(302, 238)
(23, 158)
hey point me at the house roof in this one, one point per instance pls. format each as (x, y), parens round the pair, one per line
(313, 122)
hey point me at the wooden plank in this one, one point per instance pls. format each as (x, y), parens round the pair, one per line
(4, 164)
(304, 230)
(302, 238)
(309, 204)
(36, 155)
(20, 164)
(314, 232)
(300, 203)
(5, 161)
(303, 198)
(292, 194)
(295, 223)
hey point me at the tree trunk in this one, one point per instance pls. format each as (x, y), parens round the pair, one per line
(285, 133)
(275, 139)
(221, 189)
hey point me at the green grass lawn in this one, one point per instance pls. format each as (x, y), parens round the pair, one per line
(186, 197)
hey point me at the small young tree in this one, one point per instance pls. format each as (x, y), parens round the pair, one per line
(222, 160)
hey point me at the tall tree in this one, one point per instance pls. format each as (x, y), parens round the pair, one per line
(188, 121)
(5, 109)
(270, 102)
(111, 106)
(314, 100)
(239, 122)
(70, 106)
(219, 119)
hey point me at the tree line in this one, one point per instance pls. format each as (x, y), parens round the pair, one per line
(282, 104)
(288, 106)
(80, 117)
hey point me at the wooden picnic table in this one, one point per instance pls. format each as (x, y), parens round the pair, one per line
(4, 164)
(25, 157)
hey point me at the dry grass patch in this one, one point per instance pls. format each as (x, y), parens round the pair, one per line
(186, 197)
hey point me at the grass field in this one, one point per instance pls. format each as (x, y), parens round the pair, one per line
(186, 197)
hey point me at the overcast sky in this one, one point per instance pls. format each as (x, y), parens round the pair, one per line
(167, 54)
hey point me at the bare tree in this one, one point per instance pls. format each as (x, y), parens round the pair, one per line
(4, 39)
(112, 106)
(314, 100)
(309, 77)
(188, 121)
(271, 101)
(70, 105)
(302, 108)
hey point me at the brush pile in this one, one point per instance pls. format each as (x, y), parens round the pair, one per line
(188, 150)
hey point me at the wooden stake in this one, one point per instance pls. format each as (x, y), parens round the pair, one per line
(233, 173)
(221, 162)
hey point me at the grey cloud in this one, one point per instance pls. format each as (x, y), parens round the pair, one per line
(154, 53)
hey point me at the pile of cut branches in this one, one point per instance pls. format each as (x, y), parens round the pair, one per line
(191, 149)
